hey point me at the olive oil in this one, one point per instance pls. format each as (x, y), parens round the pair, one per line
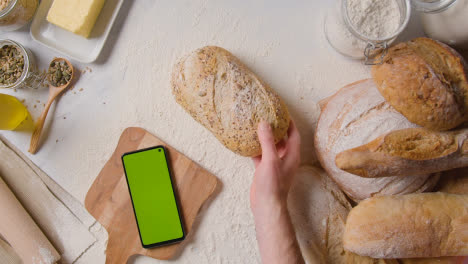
(12, 112)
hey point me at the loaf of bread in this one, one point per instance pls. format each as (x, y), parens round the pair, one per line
(426, 81)
(318, 210)
(356, 115)
(407, 152)
(409, 226)
(223, 95)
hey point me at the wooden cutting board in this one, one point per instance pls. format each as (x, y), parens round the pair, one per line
(108, 199)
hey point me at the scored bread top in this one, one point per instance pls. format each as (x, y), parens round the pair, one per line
(407, 152)
(356, 115)
(426, 81)
(222, 94)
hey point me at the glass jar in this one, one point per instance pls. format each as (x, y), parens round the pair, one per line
(445, 20)
(355, 42)
(16, 14)
(30, 77)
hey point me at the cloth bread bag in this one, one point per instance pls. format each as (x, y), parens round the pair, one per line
(21, 232)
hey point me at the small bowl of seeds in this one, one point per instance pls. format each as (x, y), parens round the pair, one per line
(17, 69)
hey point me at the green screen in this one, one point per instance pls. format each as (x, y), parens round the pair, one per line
(152, 195)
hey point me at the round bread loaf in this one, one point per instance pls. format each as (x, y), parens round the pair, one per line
(356, 115)
(426, 81)
(223, 95)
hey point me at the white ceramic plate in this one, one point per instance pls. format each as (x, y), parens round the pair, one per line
(82, 49)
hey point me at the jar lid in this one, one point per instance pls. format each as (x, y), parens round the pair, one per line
(431, 6)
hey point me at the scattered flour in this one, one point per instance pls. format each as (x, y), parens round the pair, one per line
(339, 36)
(224, 232)
(47, 256)
(291, 55)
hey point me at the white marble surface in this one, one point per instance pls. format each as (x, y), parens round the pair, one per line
(282, 41)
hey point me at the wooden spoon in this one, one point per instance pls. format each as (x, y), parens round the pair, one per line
(53, 93)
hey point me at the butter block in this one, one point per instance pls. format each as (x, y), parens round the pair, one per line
(77, 16)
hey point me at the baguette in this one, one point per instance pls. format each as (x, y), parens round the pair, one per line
(409, 226)
(355, 115)
(426, 81)
(223, 95)
(407, 152)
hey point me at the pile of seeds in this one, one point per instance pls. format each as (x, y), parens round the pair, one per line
(11, 64)
(59, 73)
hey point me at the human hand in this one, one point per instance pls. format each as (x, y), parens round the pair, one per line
(276, 167)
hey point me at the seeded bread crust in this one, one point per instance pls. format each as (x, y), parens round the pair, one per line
(223, 95)
(426, 81)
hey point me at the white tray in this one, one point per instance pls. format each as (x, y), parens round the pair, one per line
(82, 49)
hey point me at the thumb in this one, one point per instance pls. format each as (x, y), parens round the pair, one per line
(267, 141)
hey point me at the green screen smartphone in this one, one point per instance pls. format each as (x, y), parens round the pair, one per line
(152, 193)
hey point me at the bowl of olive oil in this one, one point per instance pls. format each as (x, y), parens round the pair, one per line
(13, 112)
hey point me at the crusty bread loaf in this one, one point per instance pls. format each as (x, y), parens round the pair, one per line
(223, 95)
(356, 115)
(409, 226)
(426, 81)
(318, 210)
(407, 152)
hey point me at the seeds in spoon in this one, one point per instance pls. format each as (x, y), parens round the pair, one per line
(59, 73)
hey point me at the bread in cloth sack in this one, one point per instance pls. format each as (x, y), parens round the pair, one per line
(356, 115)
(223, 95)
(453, 181)
(426, 81)
(318, 210)
(407, 152)
(409, 226)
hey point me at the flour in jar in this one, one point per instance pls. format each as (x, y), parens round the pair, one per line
(376, 19)
(373, 19)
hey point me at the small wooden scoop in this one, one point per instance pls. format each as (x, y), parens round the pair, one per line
(53, 93)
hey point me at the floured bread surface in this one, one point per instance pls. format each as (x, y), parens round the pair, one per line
(409, 226)
(356, 115)
(222, 94)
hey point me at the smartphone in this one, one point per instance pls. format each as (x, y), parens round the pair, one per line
(153, 198)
